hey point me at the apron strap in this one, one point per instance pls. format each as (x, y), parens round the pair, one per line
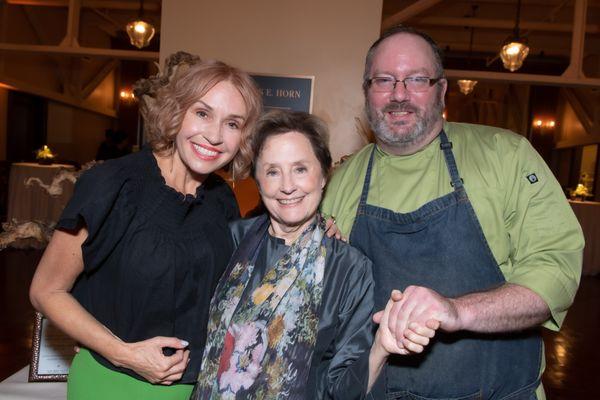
(455, 180)
(365, 189)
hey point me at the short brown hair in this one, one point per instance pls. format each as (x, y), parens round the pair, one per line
(278, 122)
(163, 108)
(438, 54)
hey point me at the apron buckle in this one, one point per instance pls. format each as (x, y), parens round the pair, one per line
(461, 181)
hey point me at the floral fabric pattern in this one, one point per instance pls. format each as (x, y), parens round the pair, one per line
(262, 349)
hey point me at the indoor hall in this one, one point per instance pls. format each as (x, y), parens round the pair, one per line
(67, 70)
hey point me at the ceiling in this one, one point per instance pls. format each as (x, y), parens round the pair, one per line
(65, 50)
(78, 27)
(548, 26)
(83, 41)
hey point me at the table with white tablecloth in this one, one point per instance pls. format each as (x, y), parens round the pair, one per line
(33, 202)
(17, 387)
(588, 214)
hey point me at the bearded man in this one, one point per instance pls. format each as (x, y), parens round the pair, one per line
(469, 226)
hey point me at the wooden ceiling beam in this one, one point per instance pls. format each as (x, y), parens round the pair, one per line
(113, 5)
(495, 48)
(511, 77)
(106, 69)
(529, 3)
(579, 141)
(586, 120)
(502, 24)
(115, 24)
(577, 40)
(82, 51)
(414, 9)
(72, 36)
(59, 97)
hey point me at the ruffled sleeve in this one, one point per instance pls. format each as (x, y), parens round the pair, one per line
(104, 202)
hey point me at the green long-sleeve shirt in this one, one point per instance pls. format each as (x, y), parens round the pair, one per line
(529, 225)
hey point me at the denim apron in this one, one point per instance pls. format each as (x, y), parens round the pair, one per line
(441, 246)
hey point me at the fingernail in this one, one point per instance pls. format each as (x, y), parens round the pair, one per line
(184, 343)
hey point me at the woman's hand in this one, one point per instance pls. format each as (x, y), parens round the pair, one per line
(385, 340)
(146, 358)
(57, 271)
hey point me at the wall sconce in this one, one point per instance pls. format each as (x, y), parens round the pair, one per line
(139, 31)
(541, 123)
(126, 96)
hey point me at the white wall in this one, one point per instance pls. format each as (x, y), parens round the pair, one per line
(327, 39)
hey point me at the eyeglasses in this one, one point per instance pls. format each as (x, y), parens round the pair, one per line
(412, 84)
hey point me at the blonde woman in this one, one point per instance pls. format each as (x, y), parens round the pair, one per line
(139, 249)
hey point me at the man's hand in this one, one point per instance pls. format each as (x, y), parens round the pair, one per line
(421, 308)
(417, 336)
(331, 229)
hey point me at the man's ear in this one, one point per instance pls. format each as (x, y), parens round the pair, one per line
(444, 88)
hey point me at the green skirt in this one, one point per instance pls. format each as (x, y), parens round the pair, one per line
(90, 380)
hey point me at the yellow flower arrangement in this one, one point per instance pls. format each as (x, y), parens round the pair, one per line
(45, 155)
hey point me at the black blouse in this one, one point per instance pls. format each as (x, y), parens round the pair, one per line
(153, 256)
(339, 367)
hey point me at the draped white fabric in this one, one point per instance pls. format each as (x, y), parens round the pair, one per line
(16, 387)
(588, 214)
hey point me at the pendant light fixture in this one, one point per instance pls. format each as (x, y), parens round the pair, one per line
(467, 85)
(139, 31)
(515, 49)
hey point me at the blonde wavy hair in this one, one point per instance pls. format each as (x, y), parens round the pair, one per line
(166, 97)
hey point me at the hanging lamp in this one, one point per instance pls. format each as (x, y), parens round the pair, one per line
(515, 49)
(466, 86)
(139, 31)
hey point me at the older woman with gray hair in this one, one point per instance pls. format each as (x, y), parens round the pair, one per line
(291, 317)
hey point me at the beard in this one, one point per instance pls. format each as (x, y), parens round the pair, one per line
(400, 135)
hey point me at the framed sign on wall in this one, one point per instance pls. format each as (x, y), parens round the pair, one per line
(286, 92)
(51, 352)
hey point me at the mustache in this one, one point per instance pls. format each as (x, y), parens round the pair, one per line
(400, 106)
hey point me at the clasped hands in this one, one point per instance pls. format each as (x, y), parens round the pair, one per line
(411, 319)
